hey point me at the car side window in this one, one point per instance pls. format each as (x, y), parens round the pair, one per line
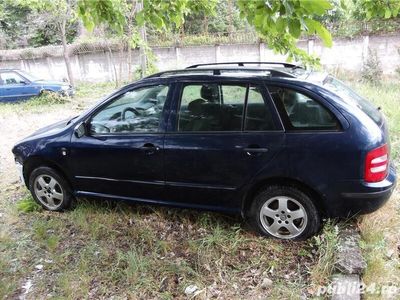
(258, 115)
(302, 112)
(136, 111)
(211, 107)
(8, 78)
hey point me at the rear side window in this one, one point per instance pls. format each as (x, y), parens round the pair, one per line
(352, 98)
(300, 112)
(221, 107)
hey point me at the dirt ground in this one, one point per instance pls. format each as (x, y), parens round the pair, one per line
(18, 125)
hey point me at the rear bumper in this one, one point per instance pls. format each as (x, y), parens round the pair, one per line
(364, 198)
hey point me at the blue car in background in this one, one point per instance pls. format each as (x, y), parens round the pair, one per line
(17, 85)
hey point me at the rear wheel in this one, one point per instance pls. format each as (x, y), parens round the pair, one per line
(284, 212)
(50, 189)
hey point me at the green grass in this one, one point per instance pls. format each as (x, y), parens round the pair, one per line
(28, 205)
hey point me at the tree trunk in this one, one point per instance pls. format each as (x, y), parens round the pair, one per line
(230, 19)
(65, 52)
(142, 50)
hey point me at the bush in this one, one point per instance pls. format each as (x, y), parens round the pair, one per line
(371, 71)
(47, 97)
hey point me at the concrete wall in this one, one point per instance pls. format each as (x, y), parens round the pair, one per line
(346, 54)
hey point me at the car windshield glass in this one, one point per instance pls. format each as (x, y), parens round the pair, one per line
(352, 98)
(28, 76)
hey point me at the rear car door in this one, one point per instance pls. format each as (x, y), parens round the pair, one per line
(222, 135)
(123, 153)
(14, 87)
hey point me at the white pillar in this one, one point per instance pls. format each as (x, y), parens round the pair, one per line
(217, 53)
(178, 57)
(365, 48)
(310, 46)
(261, 50)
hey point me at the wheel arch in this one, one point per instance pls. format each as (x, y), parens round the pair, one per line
(44, 90)
(36, 161)
(315, 196)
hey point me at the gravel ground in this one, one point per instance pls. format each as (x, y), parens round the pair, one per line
(17, 124)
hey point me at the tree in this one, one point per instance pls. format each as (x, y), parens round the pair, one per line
(279, 23)
(379, 9)
(59, 13)
(129, 17)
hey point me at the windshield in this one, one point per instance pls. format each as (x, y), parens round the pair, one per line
(28, 76)
(352, 98)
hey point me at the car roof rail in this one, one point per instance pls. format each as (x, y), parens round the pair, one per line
(214, 71)
(242, 64)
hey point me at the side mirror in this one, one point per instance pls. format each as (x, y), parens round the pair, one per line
(23, 82)
(80, 130)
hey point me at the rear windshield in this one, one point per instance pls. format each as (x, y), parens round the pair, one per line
(352, 98)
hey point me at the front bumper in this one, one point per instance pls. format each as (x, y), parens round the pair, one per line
(20, 170)
(69, 92)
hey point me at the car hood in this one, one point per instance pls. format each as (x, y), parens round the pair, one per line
(50, 82)
(49, 130)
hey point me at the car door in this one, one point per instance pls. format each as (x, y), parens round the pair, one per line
(122, 153)
(223, 134)
(15, 87)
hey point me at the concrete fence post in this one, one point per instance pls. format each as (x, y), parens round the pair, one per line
(49, 66)
(109, 67)
(178, 57)
(261, 52)
(77, 67)
(365, 48)
(217, 53)
(310, 46)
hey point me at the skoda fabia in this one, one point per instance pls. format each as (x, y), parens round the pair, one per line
(280, 145)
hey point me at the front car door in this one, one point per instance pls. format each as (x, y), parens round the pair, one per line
(15, 87)
(122, 156)
(223, 134)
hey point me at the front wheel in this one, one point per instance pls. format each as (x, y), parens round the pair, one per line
(50, 189)
(284, 212)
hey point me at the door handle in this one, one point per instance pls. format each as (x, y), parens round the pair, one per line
(255, 150)
(149, 148)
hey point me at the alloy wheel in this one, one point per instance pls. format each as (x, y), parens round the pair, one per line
(48, 191)
(283, 217)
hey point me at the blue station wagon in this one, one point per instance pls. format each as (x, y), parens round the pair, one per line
(17, 85)
(280, 145)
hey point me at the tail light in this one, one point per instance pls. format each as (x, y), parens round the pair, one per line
(376, 164)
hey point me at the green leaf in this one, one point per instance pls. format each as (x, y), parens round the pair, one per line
(294, 28)
(280, 24)
(324, 34)
(318, 7)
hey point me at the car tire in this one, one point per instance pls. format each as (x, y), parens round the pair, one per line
(284, 212)
(50, 189)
